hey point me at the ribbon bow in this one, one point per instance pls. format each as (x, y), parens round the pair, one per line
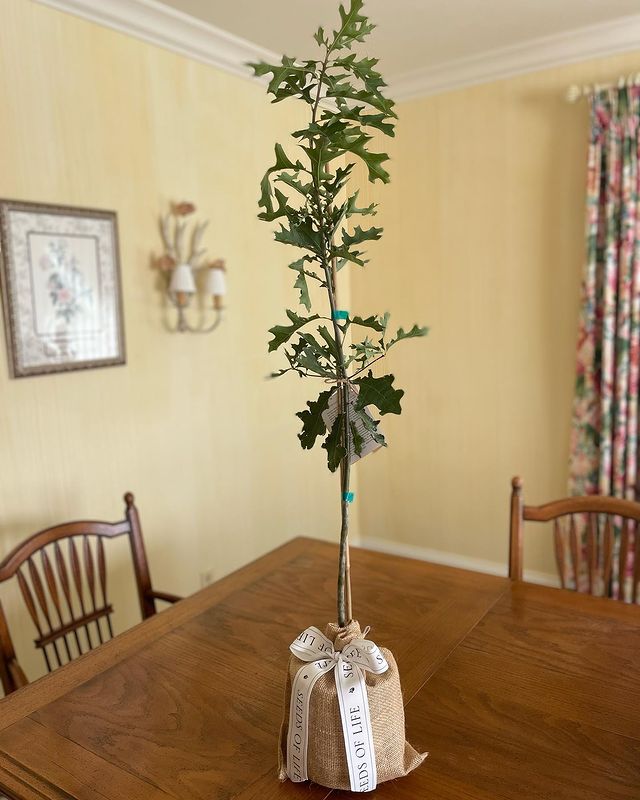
(349, 665)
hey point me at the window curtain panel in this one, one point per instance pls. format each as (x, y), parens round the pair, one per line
(604, 442)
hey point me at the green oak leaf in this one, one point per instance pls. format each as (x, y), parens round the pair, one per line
(351, 208)
(345, 90)
(309, 361)
(374, 162)
(333, 347)
(366, 120)
(377, 323)
(301, 285)
(311, 341)
(282, 162)
(293, 75)
(343, 254)
(314, 357)
(333, 444)
(371, 425)
(362, 68)
(412, 333)
(365, 351)
(359, 235)
(335, 183)
(283, 210)
(337, 214)
(354, 26)
(378, 392)
(354, 141)
(301, 234)
(320, 37)
(305, 189)
(356, 439)
(312, 422)
(299, 266)
(282, 333)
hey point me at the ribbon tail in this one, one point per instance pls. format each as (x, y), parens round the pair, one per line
(298, 733)
(356, 726)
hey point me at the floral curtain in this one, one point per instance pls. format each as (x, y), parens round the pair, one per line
(605, 416)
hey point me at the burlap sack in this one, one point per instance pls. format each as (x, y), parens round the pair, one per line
(326, 757)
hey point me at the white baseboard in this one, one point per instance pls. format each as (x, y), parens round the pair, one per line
(452, 559)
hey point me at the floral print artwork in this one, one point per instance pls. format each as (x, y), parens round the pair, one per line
(68, 292)
(62, 287)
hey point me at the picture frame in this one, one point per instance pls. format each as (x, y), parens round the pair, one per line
(61, 288)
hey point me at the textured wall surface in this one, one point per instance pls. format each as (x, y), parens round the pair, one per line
(95, 118)
(483, 242)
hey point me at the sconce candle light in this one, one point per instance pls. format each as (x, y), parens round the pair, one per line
(216, 283)
(181, 269)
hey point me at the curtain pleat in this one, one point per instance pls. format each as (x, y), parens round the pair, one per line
(604, 441)
(605, 415)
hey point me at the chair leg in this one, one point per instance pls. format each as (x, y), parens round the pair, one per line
(515, 531)
(11, 675)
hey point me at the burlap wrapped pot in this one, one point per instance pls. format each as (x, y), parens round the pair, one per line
(326, 757)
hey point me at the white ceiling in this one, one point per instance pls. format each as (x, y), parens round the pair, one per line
(425, 46)
(412, 34)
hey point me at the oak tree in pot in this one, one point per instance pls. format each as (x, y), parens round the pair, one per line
(307, 192)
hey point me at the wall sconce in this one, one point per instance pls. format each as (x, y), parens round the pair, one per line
(181, 269)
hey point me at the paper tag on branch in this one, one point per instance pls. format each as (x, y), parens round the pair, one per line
(368, 443)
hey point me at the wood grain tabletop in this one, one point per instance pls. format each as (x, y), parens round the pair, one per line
(516, 691)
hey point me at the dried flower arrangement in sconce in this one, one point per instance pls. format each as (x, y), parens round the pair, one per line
(180, 263)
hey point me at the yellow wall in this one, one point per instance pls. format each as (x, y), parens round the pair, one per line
(484, 242)
(94, 118)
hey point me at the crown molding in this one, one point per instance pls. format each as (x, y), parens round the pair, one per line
(182, 33)
(595, 41)
(171, 29)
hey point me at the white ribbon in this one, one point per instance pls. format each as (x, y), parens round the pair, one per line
(350, 665)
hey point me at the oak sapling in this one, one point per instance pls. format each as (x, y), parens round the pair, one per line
(308, 195)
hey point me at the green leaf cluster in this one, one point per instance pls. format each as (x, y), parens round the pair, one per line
(308, 195)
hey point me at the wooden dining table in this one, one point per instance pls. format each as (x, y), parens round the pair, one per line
(515, 690)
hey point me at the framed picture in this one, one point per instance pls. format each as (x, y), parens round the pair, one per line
(60, 288)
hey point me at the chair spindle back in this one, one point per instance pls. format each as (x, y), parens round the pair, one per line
(596, 542)
(62, 576)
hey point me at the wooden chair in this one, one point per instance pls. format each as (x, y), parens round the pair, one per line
(76, 600)
(593, 522)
